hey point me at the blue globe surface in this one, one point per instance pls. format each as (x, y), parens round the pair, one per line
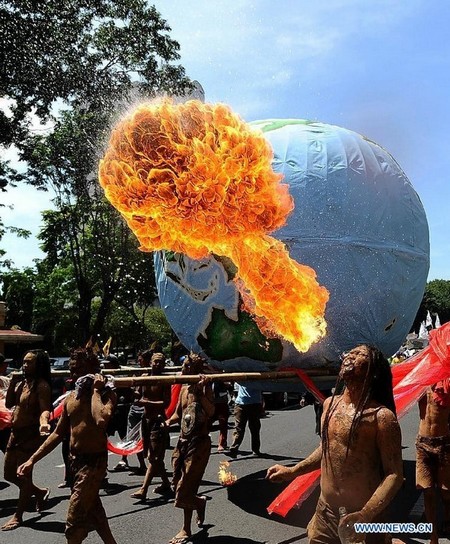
(357, 221)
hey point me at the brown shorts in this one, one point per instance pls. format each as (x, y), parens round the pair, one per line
(433, 462)
(22, 443)
(86, 511)
(155, 437)
(322, 529)
(189, 461)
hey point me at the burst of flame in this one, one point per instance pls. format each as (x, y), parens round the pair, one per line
(226, 477)
(194, 178)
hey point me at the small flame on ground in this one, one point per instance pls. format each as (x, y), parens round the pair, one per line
(196, 179)
(226, 477)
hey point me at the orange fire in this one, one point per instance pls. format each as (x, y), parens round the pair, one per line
(226, 477)
(195, 179)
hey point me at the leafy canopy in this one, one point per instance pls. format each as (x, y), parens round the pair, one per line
(85, 52)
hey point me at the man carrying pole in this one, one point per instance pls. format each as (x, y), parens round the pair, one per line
(360, 454)
(31, 399)
(191, 455)
(86, 414)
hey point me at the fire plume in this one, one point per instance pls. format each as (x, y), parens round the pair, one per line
(195, 179)
(226, 477)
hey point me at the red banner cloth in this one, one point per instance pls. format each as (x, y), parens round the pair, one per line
(135, 447)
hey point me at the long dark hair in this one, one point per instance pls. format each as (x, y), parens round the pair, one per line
(43, 369)
(377, 387)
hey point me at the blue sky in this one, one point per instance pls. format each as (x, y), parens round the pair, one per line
(380, 68)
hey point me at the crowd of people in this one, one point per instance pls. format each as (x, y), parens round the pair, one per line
(360, 453)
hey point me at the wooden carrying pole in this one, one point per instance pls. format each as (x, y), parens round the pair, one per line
(118, 371)
(194, 378)
(169, 375)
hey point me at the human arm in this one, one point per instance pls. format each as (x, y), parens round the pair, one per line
(11, 396)
(280, 473)
(176, 416)
(158, 397)
(61, 430)
(102, 403)
(45, 404)
(388, 443)
(147, 402)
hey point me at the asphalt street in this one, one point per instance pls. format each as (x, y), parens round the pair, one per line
(234, 515)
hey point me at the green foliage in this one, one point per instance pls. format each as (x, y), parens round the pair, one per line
(436, 300)
(87, 51)
(138, 330)
(18, 289)
(158, 327)
(91, 242)
(54, 308)
(87, 57)
(92, 57)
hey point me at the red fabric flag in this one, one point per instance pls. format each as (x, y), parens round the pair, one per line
(134, 445)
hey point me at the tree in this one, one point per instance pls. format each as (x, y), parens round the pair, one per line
(18, 293)
(80, 52)
(139, 330)
(99, 250)
(91, 56)
(88, 55)
(436, 300)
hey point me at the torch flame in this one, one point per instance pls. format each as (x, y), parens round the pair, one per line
(195, 179)
(226, 477)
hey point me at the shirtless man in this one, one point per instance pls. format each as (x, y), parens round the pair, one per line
(85, 415)
(360, 453)
(191, 455)
(155, 399)
(433, 452)
(31, 399)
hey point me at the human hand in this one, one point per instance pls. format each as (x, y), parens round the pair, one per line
(349, 521)
(15, 377)
(98, 383)
(25, 469)
(200, 385)
(44, 429)
(279, 473)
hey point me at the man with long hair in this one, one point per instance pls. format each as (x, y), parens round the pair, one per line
(30, 397)
(86, 413)
(360, 452)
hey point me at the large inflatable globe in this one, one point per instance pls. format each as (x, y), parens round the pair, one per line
(357, 221)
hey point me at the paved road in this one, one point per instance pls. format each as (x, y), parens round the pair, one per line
(235, 515)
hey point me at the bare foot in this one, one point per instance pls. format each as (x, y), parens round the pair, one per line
(41, 501)
(140, 495)
(12, 524)
(180, 538)
(200, 519)
(162, 489)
